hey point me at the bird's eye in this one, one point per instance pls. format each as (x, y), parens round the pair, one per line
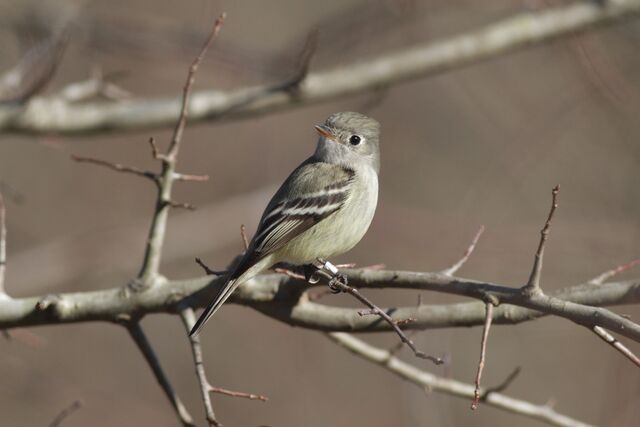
(355, 140)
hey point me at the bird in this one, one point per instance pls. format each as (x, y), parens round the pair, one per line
(323, 209)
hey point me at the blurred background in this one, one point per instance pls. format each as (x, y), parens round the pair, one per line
(479, 145)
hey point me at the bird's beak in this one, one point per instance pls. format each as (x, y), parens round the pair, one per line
(325, 131)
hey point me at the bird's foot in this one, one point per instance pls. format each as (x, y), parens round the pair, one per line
(337, 283)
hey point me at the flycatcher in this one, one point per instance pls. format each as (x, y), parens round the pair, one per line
(323, 208)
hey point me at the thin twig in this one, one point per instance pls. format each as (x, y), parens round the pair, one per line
(181, 205)
(118, 167)
(483, 351)
(426, 380)
(467, 253)
(502, 386)
(57, 421)
(155, 152)
(240, 394)
(533, 284)
(188, 319)
(208, 271)
(140, 338)
(600, 279)
(612, 341)
(174, 145)
(190, 177)
(342, 286)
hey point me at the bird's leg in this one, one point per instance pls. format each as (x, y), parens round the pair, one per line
(310, 275)
(337, 280)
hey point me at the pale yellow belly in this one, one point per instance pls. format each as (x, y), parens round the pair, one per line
(339, 232)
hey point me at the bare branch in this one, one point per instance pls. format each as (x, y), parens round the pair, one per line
(190, 177)
(117, 167)
(49, 115)
(154, 150)
(612, 341)
(613, 272)
(339, 283)
(140, 338)
(240, 394)
(502, 386)
(424, 379)
(57, 421)
(533, 284)
(279, 297)
(483, 351)
(189, 319)
(149, 272)
(209, 271)
(458, 265)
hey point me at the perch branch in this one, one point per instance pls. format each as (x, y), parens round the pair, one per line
(278, 296)
(140, 338)
(451, 387)
(52, 115)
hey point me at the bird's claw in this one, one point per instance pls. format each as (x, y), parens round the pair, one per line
(337, 282)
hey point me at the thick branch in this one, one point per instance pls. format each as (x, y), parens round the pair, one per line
(278, 296)
(451, 387)
(54, 115)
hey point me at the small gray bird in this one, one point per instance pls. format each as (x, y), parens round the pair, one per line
(323, 208)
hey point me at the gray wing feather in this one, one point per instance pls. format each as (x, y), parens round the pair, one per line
(308, 201)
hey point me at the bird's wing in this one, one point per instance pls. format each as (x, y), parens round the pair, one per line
(309, 201)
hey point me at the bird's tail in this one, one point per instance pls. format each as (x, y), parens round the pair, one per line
(240, 275)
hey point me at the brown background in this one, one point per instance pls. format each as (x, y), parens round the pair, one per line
(482, 145)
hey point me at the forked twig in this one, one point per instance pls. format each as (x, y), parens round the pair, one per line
(438, 384)
(155, 241)
(338, 282)
(188, 319)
